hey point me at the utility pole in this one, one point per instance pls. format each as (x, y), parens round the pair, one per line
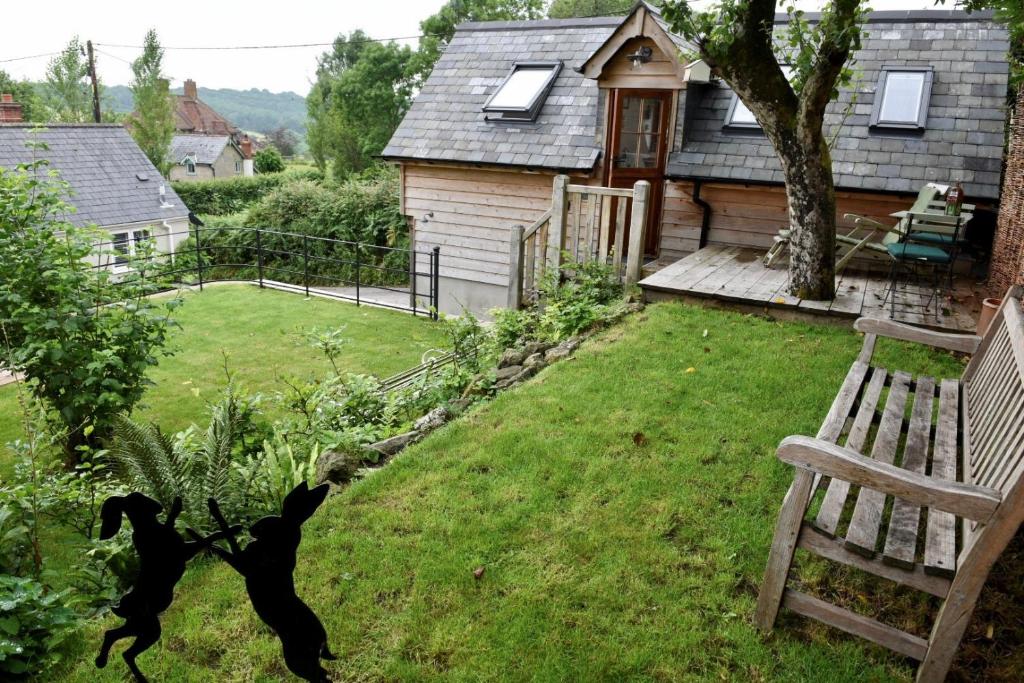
(95, 84)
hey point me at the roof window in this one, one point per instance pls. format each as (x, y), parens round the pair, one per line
(740, 116)
(521, 95)
(901, 99)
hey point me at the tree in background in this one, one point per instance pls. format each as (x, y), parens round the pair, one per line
(735, 38)
(438, 29)
(153, 122)
(284, 140)
(25, 94)
(362, 91)
(564, 9)
(67, 92)
(268, 160)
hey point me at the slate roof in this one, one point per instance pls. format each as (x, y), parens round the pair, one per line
(963, 137)
(205, 149)
(112, 182)
(445, 122)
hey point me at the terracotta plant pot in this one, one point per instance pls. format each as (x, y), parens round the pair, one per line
(988, 311)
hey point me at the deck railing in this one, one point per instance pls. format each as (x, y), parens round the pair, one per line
(585, 223)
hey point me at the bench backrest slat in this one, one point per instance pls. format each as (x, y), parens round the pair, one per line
(994, 405)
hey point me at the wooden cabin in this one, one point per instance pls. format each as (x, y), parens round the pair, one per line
(611, 101)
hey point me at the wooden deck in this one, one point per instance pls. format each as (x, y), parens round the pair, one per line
(735, 274)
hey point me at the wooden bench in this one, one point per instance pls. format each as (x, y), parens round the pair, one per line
(949, 456)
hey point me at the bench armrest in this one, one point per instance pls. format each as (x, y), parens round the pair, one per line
(831, 460)
(965, 343)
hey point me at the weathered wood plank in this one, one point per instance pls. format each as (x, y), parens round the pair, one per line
(965, 343)
(901, 539)
(940, 536)
(896, 640)
(831, 508)
(832, 549)
(867, 513)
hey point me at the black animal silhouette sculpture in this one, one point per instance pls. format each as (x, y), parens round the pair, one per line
(162, 557)
(267, 564)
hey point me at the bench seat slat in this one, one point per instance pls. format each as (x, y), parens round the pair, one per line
(901, 539)
(940, 536)
(835, 497)
(862, 535)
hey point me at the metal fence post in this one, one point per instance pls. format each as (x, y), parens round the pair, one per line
(199, 258)
(435, 276)
(305, 261)
(259, 256)
(412, 279)
(357, 273)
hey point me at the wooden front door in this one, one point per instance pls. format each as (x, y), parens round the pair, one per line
(638, 147)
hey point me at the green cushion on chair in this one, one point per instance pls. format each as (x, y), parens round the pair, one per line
(918, 252)
(931, 237)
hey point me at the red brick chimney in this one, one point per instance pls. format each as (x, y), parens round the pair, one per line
(191, 91)
(10, 111)
(246, 146)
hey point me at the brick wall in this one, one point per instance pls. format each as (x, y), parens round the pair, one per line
(1008, 250)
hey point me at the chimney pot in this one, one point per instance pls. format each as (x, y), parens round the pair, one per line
(246, 146)
(191, 91)
(6, 97)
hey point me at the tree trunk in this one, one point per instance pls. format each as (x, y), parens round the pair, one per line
(812, 219)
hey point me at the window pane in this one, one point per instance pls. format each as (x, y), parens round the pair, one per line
(628, 143)
(741, 114)
(901, 101)
(520, 89)
(120, 248)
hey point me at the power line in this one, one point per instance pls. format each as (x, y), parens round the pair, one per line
(112, 56)
(264, 47)
(19, 59)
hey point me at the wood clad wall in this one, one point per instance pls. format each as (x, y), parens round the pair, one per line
(659, 73)
(473, 213)
(750, 215)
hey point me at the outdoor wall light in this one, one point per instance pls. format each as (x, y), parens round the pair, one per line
(640, 57)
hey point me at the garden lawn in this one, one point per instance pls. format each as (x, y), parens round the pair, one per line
(259, 334)
(618, 510)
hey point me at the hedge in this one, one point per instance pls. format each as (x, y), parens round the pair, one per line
(230, 195)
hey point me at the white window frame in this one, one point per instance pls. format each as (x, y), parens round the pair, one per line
(922, 108)
(133, 239)
(530, 111)
(190, 166)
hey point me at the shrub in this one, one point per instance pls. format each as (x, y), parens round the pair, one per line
(268, 160)
(83, 340)
(230, 195)
(34, 623)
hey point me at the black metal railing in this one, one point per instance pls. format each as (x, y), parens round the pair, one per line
(401, 278)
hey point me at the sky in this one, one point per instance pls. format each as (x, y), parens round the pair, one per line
(111, 23)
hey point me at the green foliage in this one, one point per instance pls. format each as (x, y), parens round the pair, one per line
(153, 124)
(513, 327)
(83, 341)
(34, 623)
(67, 93)
(330, 342)
(361, 93)
(565, 9)
(284, 140)
(187, 465)
(274, 472)
(26, 94)
(231, 195)
(438, 29)
(268, 160)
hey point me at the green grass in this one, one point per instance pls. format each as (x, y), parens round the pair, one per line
(620, 504)
(260, 331)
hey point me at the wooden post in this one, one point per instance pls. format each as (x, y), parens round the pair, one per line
(637, 230)
(515, 267)
(559, 218)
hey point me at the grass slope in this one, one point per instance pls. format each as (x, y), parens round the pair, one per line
(620, 504)
(261, 333)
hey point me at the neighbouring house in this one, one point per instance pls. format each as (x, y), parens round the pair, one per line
(194, 117)
(610, 101)
(203, 157)
(112, 184)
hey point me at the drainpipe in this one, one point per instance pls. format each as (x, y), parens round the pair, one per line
(705, 220)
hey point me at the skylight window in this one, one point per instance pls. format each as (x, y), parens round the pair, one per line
(740, 116)
(522, 94)
(901, 99)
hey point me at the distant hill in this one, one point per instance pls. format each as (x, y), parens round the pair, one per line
(252, 110)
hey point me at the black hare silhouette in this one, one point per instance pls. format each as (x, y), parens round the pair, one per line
(268, 563)
(162, 557)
